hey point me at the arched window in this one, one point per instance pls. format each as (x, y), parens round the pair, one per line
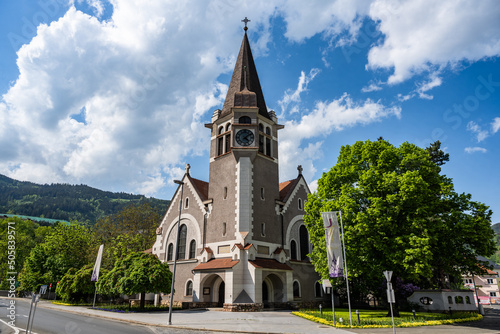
(261, 127)
(189, 288)
(304, 242)
(263, 229)
(296, 289)
(245, 120)
(300, 203)
(228, 126)
(170, 252)
(182, 242)
(268, 146)
(261, 144)
(186, 205)
(221, 130)
(268, 131)
(262, 193)
(293, 250)
(192, 249)
(318, 291)
(225, 192)
(228, 142)
(224, 229)
(220, 145)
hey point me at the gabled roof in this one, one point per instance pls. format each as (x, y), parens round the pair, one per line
(244, 82)
(286, 188)
(200, 186)
(224, 263)
(269, 264)
(207, 249)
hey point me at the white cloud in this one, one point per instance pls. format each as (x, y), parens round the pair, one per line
(495, 125)
(434, 81)
(477, 131)
(145, 79)
(326, 117)
(294, 96)
(471, 150)
(421, 36)
(371, 88)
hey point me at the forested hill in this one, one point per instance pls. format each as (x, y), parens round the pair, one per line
(65, 201)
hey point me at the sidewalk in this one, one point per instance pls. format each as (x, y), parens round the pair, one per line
(232, 322)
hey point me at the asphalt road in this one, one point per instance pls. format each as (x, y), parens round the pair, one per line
(48, 321)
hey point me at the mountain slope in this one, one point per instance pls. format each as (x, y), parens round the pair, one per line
(64, 201)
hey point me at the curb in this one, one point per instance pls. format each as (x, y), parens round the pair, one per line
(63, 308)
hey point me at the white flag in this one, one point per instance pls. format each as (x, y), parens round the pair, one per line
(333, 245)
(97, 265)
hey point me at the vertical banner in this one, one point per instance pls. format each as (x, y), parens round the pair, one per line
(97, 265)
(333, 245)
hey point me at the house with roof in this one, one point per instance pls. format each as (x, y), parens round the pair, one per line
(486, 285)
(242, 242)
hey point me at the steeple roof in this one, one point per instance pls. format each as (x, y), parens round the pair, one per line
(244, 89)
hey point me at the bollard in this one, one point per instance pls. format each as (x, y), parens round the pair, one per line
(357, 316)
(320, 309)
(414, 316)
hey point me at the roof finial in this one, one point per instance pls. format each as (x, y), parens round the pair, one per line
(187, 168)
(300, 169)
(246, 20)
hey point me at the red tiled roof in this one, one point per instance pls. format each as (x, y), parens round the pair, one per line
(240, 246)
(278, 250)
(224, 263)
(208, 250)
(269, 264)
(201, 187)
(286, 188)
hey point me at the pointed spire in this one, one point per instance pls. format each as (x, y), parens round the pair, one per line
(244, 89)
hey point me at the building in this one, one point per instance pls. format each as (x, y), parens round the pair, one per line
(243, 243)
(487, 285)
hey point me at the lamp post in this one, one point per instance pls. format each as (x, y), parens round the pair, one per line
(176, 253)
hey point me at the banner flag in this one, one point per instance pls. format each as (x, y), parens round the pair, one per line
(97, 265)
(333, 245)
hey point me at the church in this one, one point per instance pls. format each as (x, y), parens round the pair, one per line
(243, 244)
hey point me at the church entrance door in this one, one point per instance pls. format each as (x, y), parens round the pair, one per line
(265, 294)
(222, 293)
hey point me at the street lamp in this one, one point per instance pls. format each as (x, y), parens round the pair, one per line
(176, 253)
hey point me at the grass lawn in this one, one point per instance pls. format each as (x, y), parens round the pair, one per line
(378, 318)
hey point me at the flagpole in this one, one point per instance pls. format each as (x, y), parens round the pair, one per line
(345, 265)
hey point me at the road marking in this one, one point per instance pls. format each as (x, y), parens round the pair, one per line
(14, 328)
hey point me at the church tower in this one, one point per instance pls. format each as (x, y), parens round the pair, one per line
(242, 242)
(244, 180)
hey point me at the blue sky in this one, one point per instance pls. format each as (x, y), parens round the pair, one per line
(114, 94)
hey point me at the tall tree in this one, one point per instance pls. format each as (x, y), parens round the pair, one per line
(135, 273)
(132, 229)
(399, 214)
(26, 235)
(68, 246)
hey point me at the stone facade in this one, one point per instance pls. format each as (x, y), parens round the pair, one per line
(243, 243)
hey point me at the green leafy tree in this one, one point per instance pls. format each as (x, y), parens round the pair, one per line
(27, 235)
(132, 229)
(76, 285)
(399, 214)
(137, 272)
(68, 246)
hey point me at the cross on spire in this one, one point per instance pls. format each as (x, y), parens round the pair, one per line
(246, 20)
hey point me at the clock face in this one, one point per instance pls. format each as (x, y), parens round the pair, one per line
(244, 137)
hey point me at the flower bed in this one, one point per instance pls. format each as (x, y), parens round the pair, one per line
(377, 319)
